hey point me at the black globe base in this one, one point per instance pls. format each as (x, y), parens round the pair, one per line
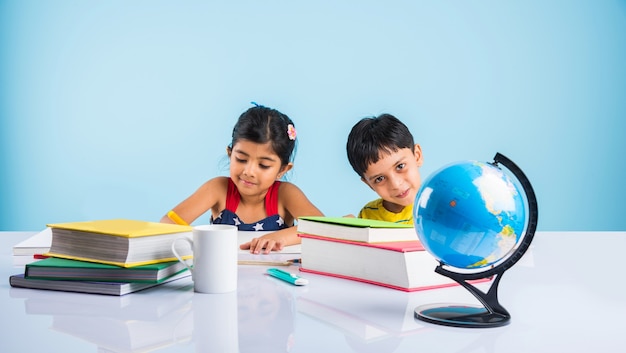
(461, 315)
(490, 314)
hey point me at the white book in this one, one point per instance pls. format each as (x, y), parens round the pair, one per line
(35, 244)
(403, 265)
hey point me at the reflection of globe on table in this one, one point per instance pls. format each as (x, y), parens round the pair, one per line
(469, 214)
(478, 222)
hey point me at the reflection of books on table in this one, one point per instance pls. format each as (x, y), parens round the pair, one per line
(351, 313)
(348, 324)
(121, 336)
(134, 323)
(128, 307)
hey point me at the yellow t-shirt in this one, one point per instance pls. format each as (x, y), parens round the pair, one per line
(376, 210)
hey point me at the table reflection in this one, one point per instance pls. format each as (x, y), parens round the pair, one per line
(266, 314)
(138, 322)
(259, 317)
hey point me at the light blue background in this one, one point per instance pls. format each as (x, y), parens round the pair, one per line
(123, 108)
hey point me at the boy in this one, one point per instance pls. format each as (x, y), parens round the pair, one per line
(382, 152)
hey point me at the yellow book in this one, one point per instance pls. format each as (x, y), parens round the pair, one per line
(127, 228)
(121, 242)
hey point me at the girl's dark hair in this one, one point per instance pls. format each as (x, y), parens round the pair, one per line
(372, 136)
(261, 124)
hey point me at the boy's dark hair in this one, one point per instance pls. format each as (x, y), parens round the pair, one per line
(261, 124)
(372, 136)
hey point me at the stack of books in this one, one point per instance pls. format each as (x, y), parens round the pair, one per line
(376, 252)
(113, 257)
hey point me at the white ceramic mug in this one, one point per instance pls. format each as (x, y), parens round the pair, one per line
(215, 250)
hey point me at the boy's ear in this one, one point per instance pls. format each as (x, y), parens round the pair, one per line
(283, 170)
(417, 151)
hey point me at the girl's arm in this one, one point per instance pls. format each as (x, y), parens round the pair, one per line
(205, 198)
(296, 204)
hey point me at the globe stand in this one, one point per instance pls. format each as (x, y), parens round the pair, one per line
(492, 313)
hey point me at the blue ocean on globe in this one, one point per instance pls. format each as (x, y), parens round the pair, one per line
(469, 214)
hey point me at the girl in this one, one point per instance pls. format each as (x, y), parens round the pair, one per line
(253, 198)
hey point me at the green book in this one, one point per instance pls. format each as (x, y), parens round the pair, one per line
(64, 269)
(356, 229)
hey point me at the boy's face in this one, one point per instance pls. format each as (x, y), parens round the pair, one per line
(395, 177)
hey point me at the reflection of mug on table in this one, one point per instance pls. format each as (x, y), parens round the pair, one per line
(215, 326)
(266, 314)
(215, 250)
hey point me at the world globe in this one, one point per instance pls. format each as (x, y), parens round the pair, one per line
(477, 221)
(469, 214)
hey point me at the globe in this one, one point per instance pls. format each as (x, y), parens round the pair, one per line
(469, 214)
(477, 221)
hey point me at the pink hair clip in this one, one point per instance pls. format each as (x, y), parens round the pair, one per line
(291, 132)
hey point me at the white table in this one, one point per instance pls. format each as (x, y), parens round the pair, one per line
(565, 295)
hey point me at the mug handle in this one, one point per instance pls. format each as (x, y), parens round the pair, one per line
(178, 256)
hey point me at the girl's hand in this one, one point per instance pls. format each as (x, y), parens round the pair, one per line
(275, 241)
(263, 245)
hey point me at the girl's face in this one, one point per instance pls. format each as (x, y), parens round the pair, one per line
(254, 167)
(396, 177)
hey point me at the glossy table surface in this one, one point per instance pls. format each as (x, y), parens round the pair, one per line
(565, 295)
